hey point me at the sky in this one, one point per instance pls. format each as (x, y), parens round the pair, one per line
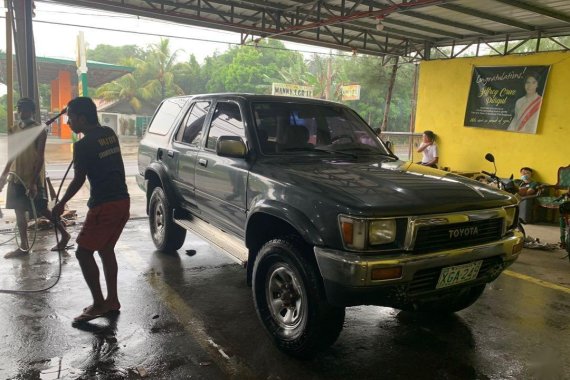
(56, 28)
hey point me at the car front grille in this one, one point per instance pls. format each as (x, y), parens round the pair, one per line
(426, 280)
(448, 236)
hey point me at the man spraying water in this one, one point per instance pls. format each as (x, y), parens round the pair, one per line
(26, 183)
(97, 157)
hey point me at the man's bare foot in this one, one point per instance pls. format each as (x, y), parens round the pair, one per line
(110, 306)
(16, 253)
(113, 306)
(90, 312)
(62, 244)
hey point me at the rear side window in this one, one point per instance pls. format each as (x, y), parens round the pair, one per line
(227, 121)
(166, 115)
(190, 131)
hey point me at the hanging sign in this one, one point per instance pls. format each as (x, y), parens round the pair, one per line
(507, 98)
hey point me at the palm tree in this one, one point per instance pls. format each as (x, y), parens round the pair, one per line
(127, 88)
(159, 69)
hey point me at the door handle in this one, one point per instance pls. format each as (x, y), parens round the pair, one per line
(170, 153)
(203, 162)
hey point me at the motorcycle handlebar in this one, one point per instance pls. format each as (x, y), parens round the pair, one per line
(488, 174)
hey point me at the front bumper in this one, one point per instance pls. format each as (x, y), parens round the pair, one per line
(348, 276)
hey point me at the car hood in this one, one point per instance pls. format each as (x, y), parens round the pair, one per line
(390, 186)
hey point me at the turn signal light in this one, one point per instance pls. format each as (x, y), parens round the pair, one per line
(387, 273)
(518, 247)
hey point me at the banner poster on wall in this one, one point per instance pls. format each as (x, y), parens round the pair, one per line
(506, 98)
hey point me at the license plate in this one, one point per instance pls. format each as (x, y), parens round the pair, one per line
(458, 274)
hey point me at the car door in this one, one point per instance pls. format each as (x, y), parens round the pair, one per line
(186, 143)
(221, 182)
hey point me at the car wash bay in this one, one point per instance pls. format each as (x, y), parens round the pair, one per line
(191, 315)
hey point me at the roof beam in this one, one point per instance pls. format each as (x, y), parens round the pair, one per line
(488, 16)
(536, 9)
(444, 21)
(421, 28)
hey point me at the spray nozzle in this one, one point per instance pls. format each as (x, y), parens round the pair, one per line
(63, 111)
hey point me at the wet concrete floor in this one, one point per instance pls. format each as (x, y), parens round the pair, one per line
(192, 317)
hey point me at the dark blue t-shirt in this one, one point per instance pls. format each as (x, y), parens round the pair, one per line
(98, 153)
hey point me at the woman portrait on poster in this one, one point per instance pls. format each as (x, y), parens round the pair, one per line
(527, 108)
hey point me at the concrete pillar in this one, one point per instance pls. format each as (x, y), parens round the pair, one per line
(64, 96)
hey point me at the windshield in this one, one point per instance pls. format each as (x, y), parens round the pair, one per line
(298, 128)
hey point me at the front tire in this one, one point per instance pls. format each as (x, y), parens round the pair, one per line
(290, 301)
(166, 235)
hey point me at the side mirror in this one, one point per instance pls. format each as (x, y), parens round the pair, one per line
(231, 146)
(388, 145)
(489, 157)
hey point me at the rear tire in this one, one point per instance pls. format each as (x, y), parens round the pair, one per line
(166, 235)
(290, 301)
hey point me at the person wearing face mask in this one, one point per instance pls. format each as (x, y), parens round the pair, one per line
(28, 183)
(528, 186)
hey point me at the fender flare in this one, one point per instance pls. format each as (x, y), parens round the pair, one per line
(288, 214)
(160, 170)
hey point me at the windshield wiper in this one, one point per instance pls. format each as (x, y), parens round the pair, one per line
(313, 149)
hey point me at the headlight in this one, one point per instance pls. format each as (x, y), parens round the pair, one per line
(362, 233)
(511, 218)
(382, 231)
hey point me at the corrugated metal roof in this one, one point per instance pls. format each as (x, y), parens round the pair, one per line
(411, 28)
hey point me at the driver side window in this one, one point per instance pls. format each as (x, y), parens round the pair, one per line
(226, 121)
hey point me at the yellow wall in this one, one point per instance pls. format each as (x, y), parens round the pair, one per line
(442, 100)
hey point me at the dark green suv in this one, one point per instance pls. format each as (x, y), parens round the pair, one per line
(320, 212)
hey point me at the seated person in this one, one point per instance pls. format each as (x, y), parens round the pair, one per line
(428, 148)
(527, 186)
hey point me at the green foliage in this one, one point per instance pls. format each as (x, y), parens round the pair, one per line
(252, 68)
(115, 54)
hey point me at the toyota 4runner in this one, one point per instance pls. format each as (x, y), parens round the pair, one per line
(320, 212)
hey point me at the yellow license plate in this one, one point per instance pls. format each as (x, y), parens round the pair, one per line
(458, 274)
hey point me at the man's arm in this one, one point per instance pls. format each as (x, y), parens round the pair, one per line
(423, 146)
(78, 181)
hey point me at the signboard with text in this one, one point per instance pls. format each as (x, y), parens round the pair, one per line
(286, 89)
(351, 92)
(507, 98)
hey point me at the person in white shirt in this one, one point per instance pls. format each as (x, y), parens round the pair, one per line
(429, 150)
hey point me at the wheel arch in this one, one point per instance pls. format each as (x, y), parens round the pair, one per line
(268, 221)
(156, 176)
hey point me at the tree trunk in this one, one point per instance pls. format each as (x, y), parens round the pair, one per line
(389, 96)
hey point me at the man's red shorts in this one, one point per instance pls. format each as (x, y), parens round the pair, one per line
(103, 225)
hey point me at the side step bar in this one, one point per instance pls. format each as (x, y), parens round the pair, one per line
(229, 244)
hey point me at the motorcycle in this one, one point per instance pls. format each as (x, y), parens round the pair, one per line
(507, 185)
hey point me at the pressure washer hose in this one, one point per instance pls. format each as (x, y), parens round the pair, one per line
(56, 240)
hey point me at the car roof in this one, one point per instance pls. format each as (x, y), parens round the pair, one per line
(266, 98)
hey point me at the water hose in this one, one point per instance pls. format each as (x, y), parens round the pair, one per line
(57, 243)
(55, 222)
(34, 214)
